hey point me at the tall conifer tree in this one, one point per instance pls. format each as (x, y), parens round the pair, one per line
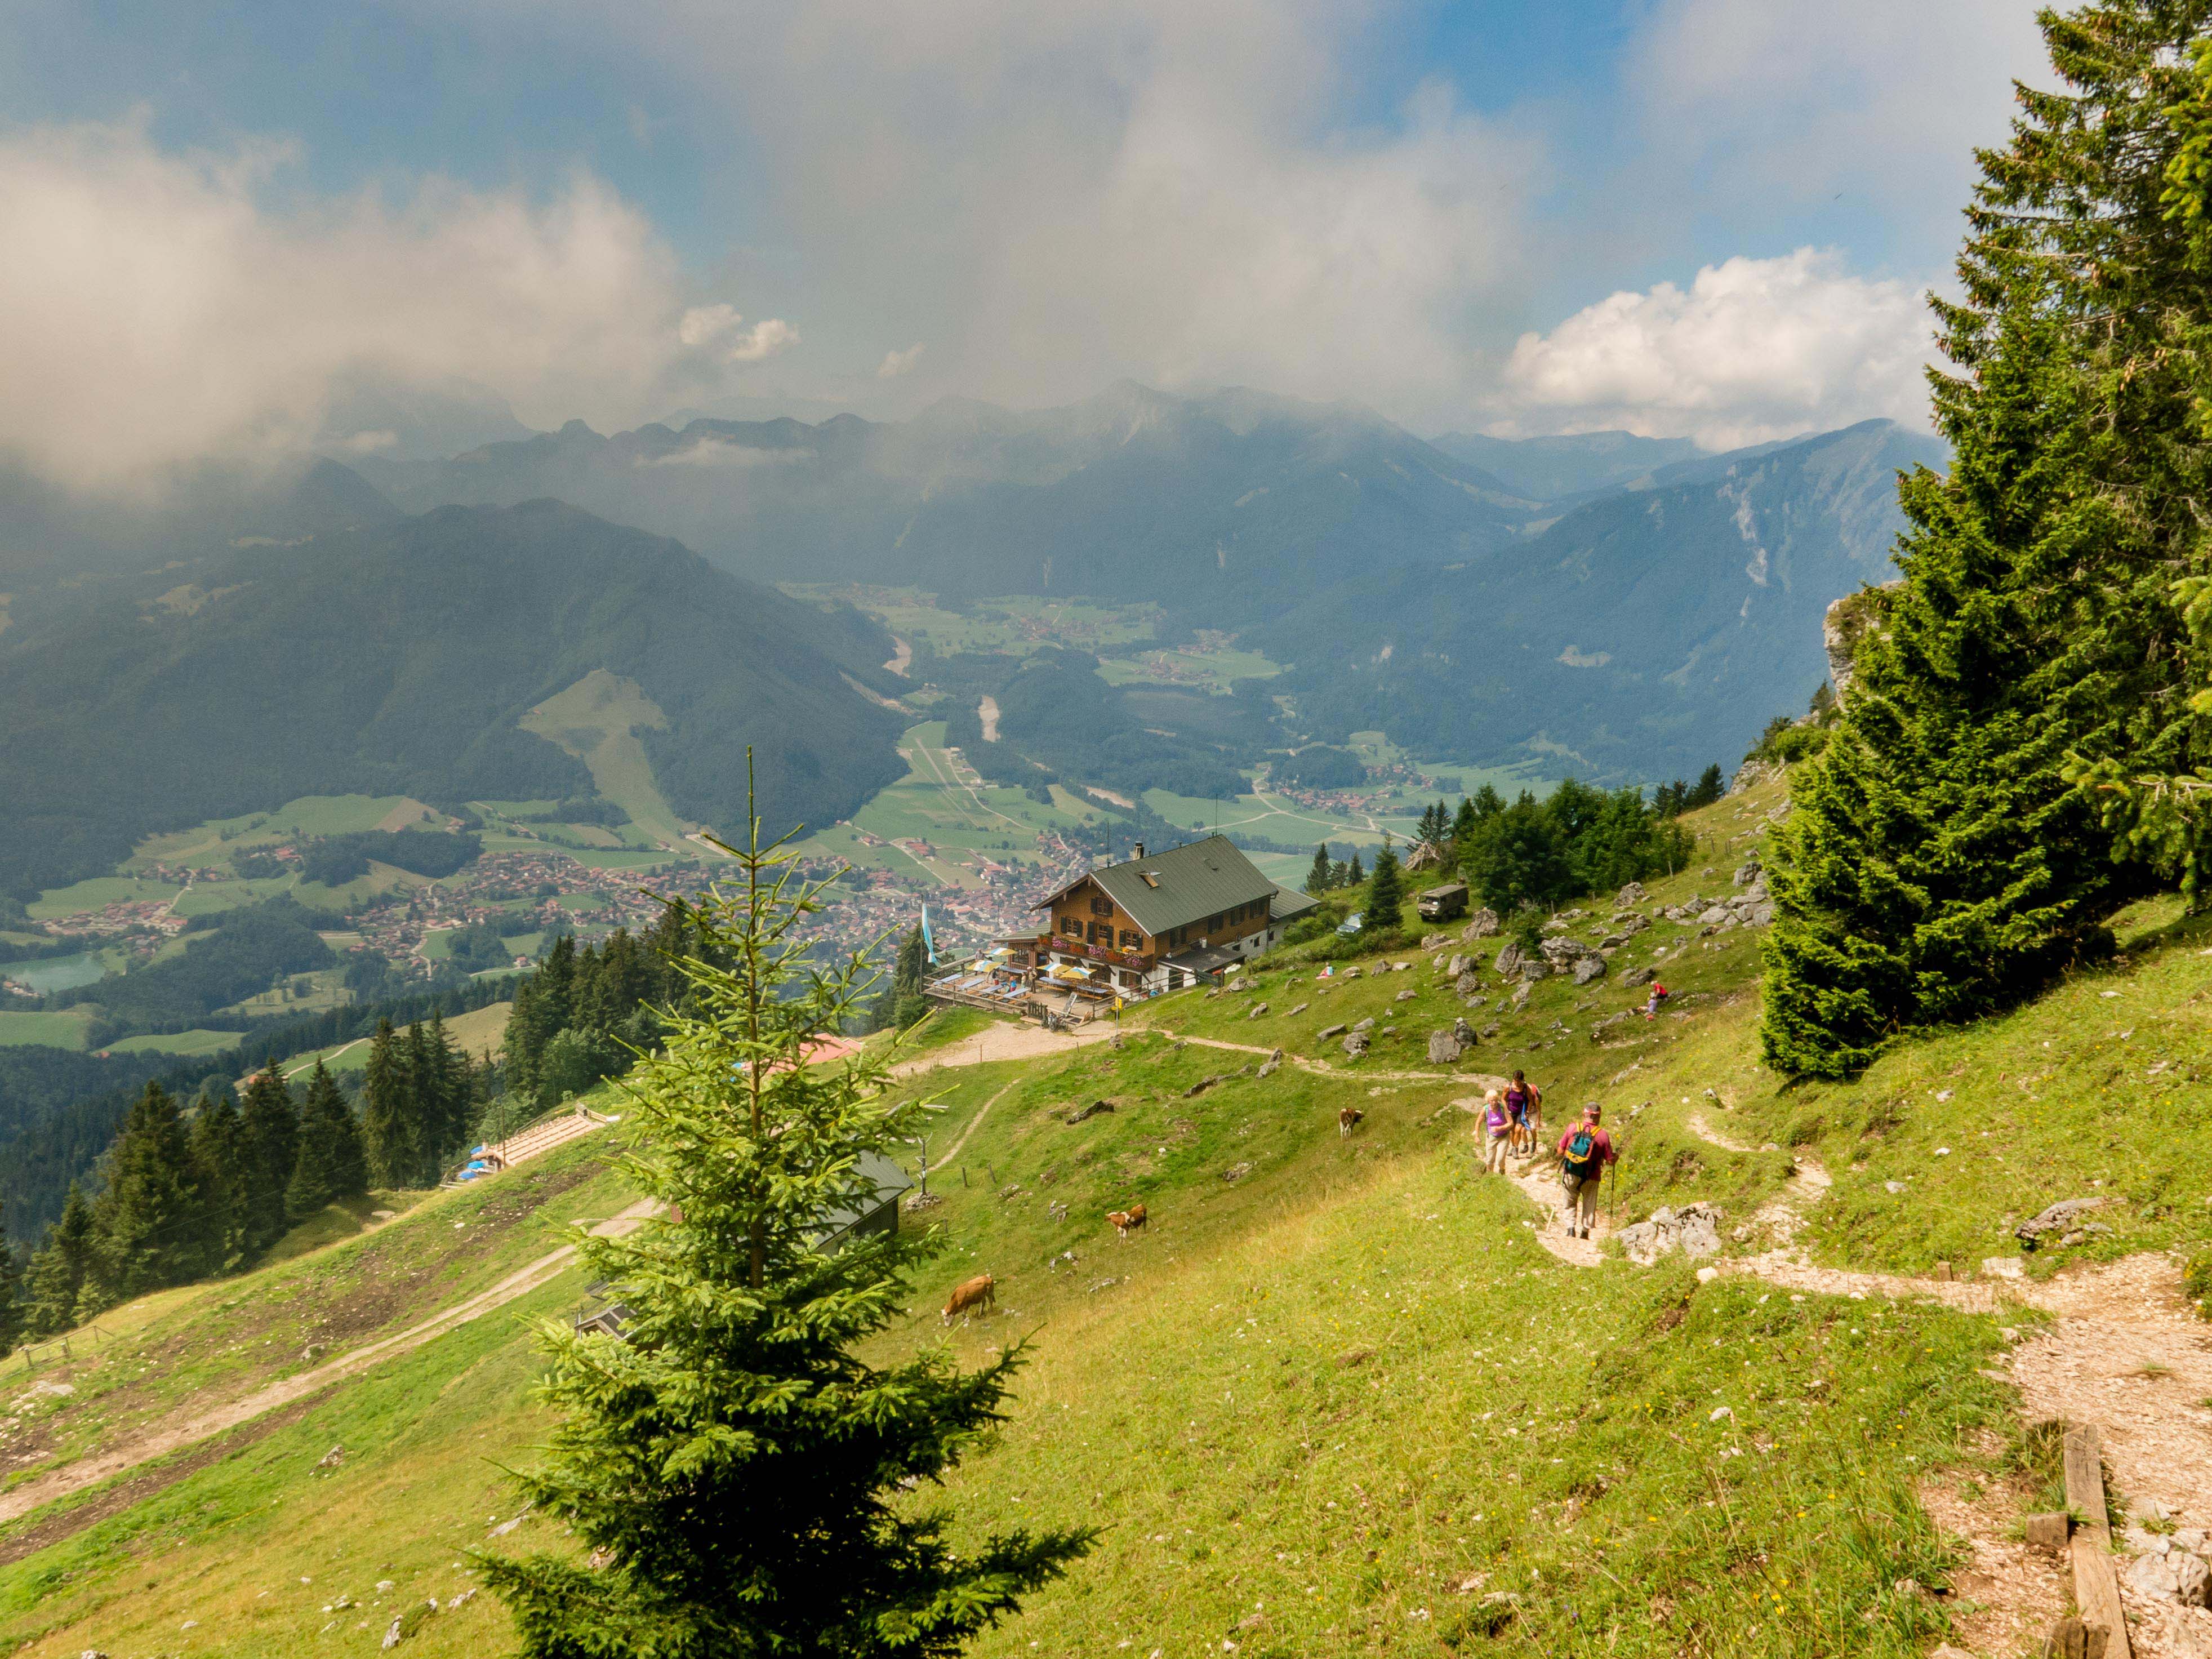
(389, 1125)
(218, 1143)
(331, 1166)
(269, 1122)
(731, 1460)
(1318, 878)
(61, 1279)
(1385, 892)
(154, 1216)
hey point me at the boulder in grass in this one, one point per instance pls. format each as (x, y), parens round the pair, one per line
(1632, 894)
(1355, 1043)
(1637, 976)
(1483, 924)
(1444, 1048)
(1328, 1031)
(1588, 968)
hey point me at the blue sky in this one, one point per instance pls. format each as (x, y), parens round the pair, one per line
(1466, 215)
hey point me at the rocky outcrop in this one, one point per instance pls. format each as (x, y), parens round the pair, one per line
(1444, 1048)
(2063, 1219)
(1482, 925)
(1588, 968)
(1694, 1230)
(1632, 894)
(1513, 963)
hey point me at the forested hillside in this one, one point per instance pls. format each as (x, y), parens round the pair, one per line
(401, 660)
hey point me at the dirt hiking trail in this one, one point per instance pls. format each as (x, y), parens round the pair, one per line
(185, 1431)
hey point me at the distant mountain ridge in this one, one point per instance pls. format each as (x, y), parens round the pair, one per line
(401, 658)
(1197, 502)
(1643, 635)
(1556, 469)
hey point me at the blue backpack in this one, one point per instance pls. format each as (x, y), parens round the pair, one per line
(1581, 1154)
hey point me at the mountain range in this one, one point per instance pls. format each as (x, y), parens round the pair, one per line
(1640, 635)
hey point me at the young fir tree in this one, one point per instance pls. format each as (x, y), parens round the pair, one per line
(1353, 875)
(154, 1217)
(1709, 787)
(219, 1148)
(270, 1125)
(1319, 878)
(731, 1461)
(331, 1166)
(1385, 892)
(389, 1127)
(60, 1282)
(1937, 863)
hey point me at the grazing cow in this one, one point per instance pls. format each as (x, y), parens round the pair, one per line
(1347, 1118)
(1126, 1221)
(981, 1291)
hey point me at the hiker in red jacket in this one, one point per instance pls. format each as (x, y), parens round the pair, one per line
(1584, 1151)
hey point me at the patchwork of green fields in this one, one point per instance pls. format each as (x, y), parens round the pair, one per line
(202, 1042)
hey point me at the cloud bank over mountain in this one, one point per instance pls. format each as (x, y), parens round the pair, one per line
(1752, 351)
(156, 308)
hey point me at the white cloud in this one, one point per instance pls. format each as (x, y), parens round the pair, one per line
(157, 308)
(1190, 193)
(719, 453)
(1753, 349)
(895, 363)
(712, 325)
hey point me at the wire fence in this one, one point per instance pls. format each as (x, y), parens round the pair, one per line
(58, 1350)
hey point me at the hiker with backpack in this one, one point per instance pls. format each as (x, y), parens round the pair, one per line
(1497, 1126)
(1524, 1105)
(1584, 1151)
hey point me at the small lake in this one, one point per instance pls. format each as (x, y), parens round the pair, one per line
(56, 972)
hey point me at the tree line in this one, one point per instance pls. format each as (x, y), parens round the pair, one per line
(588, 1011)
(1529, 854)
(185, 1194)
(2025, 742)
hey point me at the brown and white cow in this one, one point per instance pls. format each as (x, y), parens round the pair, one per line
(981, 1291)
(1126, 1221)
(1347, 1119)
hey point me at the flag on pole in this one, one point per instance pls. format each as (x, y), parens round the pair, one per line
(927, 943)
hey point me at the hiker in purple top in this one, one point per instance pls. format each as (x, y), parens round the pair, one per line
(1584, 1151)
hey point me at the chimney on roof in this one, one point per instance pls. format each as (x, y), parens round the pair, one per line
(1139, 853)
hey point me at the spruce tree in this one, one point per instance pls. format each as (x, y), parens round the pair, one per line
(1937, 863)
(219, 1148)
(60, 1278)
(270, 1122)
(331, 1166)
(731, 1462)
(1353, 875)
(1709, 787)
(154, 1217)
(388, 1122)
(1385, 892)
(1317, 878)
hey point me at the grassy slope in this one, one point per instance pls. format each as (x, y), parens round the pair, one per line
(1328, 1393)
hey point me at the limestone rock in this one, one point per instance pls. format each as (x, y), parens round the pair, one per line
(1295, 1011)
(1509, 959)
(1355, 1043)
(1444, 1047)
(1462, 1033)
(1405, 996)
(1467, 983)
(1632, 894)
(1366, 1025)
(1258, 1009)
(1268, 1067)
(1588, 968)
(1694, 1230)
(1328, 1031)
(1458, 963)
(1636, 976)
(1747, 873)
(1482, 925)
(1520, 996)
(2064, 1217)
